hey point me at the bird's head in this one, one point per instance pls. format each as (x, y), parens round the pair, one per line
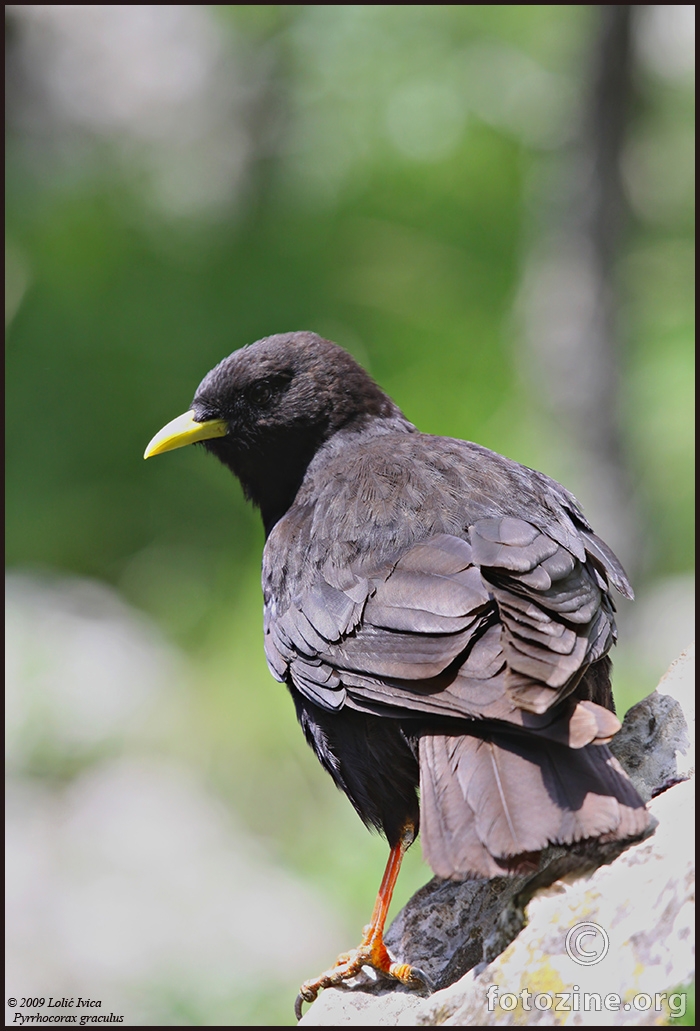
(266, 409)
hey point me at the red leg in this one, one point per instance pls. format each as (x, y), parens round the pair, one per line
(372, 951)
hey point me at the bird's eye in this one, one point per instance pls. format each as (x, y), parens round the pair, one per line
(259, 393)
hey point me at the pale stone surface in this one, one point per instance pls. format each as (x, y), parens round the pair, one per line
(644, 901)
(643, 898)
(656, 745)
(361, 1009)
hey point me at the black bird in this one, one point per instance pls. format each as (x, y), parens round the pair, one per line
(440, 614)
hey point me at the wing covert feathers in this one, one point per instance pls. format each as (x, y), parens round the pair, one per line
(504, 632)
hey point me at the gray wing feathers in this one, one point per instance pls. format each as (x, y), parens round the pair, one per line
(409, 623)
(499, 629)
(433, 588)
(555, 611)
(331, 612)
(320, 683)
(599, 551)
(389, 635)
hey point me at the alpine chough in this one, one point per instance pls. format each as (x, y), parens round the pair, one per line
(441, 615)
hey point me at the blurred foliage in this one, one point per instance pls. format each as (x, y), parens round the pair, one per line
(688, 1018)
(411, 263)
(393, 163)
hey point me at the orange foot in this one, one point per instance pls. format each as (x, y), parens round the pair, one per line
(372, 951)
(348, 965)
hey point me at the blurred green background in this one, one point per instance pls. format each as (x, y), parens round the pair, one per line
(401, 179)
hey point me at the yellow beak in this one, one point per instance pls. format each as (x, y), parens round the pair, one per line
(184, 430)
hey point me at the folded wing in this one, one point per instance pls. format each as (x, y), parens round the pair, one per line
(495, 630)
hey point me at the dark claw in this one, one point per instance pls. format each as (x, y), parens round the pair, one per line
(298, 1003)
(420, 980)
(417, 979)
(307, 993)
